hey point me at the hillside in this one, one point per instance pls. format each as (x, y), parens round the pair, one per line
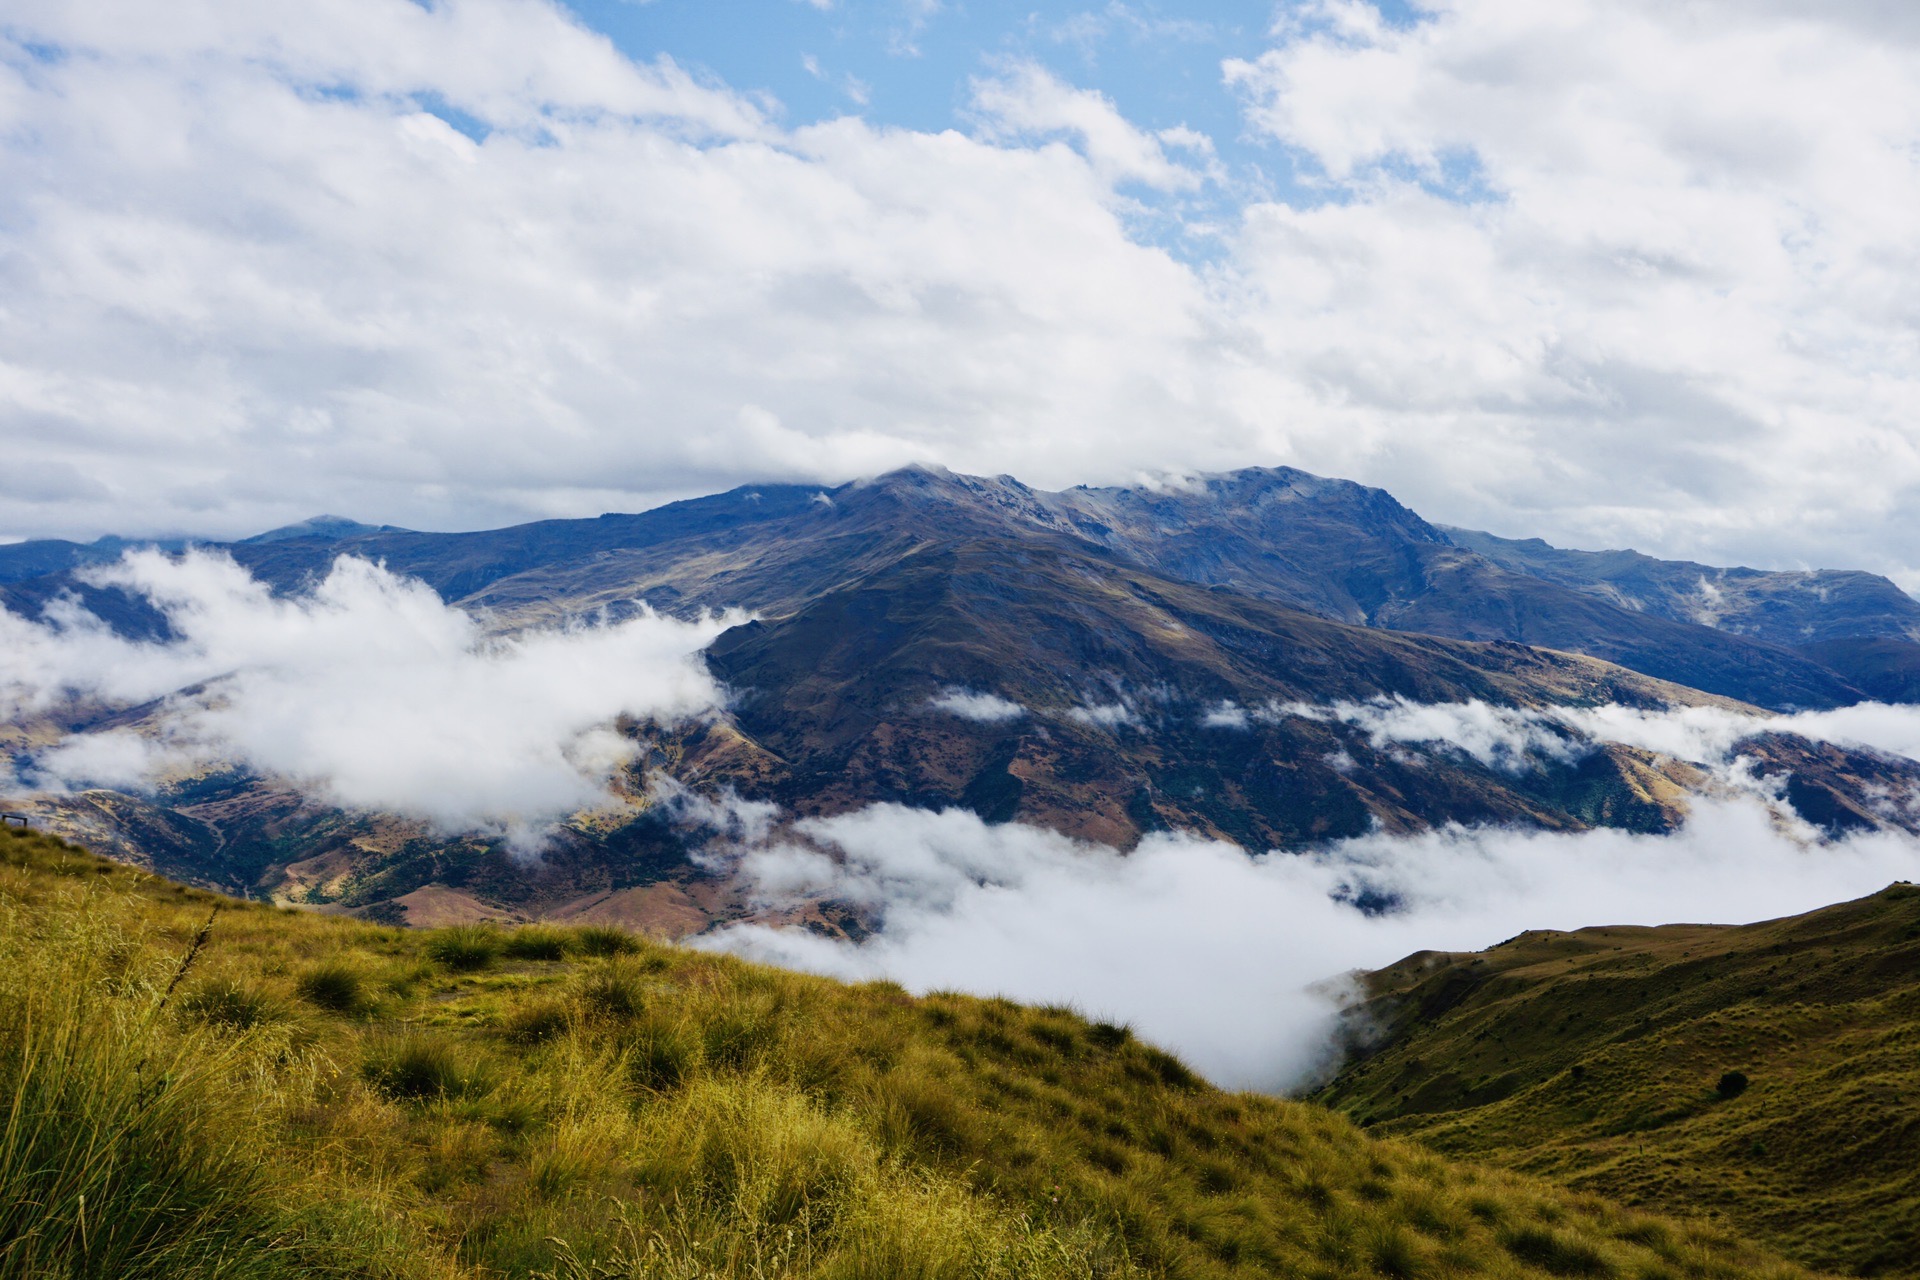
(1595, 1058)
(199, 1086)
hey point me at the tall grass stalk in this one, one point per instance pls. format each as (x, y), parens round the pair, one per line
(119, 1155)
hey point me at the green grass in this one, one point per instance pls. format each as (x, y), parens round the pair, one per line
(1766, 1076)
(659, 1112)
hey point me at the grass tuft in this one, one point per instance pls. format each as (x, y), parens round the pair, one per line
(465, 948)
(604, 940)
(421, 1068)
(334, 985)
(232, 1004)
(538, 942)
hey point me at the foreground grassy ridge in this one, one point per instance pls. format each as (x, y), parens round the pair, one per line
(1596, 1058)
(282, 1094)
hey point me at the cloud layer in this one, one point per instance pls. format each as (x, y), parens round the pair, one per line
(1608, 273)
(368, 691)
(1228, 958)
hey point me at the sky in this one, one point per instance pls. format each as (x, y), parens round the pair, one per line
(1620, 273)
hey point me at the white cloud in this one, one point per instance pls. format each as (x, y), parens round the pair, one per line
(368, 691)
(1225, 715)
(1687, 246)
(1105, 715)
(1027, 100)
(984, 708)
(1518, 739)
(1506, 738)
(1218, 954)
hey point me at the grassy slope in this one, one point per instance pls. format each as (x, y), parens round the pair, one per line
(1594, 1058)
(304, 1095)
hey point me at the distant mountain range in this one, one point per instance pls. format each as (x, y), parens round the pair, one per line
(1141, 646)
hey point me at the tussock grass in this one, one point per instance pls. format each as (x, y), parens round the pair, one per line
(604, 940)
(539, 942)
(465, 948)
(335, 986)
(234, 1004)
(1768, 1074)
(646, 1111)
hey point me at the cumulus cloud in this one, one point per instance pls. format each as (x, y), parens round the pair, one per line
(456, 264)
(1226, 957)
(983, 708)
(1629, 230)
(1028, 100)
(367, 690)
(1105, 715)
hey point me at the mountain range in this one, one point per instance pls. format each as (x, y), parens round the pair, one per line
(1149, 659)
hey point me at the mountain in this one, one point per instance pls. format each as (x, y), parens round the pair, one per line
(1336, 549)
(201, 1086)
(1330, 547)
(1151, 651)
(1858, 625)
(322, 528)
(1784, 608)
(1607, 1058)
(53, 557)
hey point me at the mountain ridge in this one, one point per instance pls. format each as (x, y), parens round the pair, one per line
(1147, 641)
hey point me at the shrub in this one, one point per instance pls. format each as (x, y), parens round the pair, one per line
(1732, 1084)
(334, 986)
(465, 948)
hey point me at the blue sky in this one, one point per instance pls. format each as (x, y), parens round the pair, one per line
(909, 63)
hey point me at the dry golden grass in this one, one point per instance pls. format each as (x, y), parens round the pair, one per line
(309, 1095)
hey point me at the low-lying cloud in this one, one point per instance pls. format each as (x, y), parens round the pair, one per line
(1516, 739)
(1227, 957)
(981, 708)
(367, 690)
(1236, 959)
(1506, 738)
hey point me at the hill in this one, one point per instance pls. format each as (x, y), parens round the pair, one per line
(200, 1086)
(1766, 1074)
